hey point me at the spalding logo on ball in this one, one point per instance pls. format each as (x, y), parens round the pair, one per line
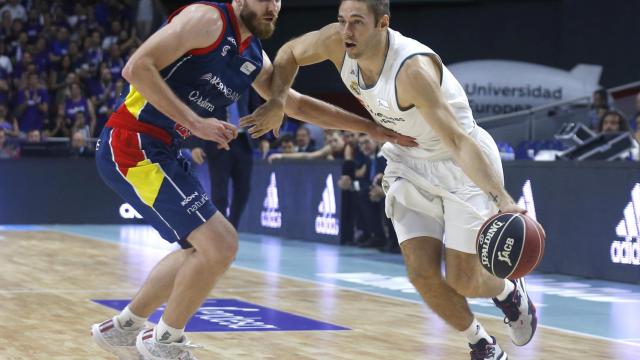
(510, 245)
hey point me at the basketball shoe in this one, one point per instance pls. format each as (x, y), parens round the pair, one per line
(110, 336)
(519, 314)
(150, 349)
(484, 350)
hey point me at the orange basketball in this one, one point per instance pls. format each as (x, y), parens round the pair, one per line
(510, 245)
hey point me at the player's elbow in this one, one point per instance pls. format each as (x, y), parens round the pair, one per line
(127, 71)
(133, 69)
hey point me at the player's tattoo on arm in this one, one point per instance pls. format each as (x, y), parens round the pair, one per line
(494, 197)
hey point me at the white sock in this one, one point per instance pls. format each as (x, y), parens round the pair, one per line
(475, 332)
(130, 321)
(508, 288)
(166, 334)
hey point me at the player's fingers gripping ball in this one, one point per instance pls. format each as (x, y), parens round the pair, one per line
(510, 245)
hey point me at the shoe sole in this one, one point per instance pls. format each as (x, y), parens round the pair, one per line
(534, 317)
(122, 352)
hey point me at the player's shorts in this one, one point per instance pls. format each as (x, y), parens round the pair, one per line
(152, 177)
(434, 198)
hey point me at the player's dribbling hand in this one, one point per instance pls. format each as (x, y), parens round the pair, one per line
(382, 134)
(512, 208)
(215, 130)
(267, 117)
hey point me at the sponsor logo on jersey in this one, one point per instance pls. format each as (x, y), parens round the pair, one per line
(383, 104)
(247, 68)
(354, 87)
(196, 98)
(218, 84)
(182, 131)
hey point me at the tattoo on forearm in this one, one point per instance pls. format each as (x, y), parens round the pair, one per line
(494, 197)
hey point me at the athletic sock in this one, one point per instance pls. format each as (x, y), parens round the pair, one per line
(475, 332)
(130, 321)
(167, 334)
(508, 289)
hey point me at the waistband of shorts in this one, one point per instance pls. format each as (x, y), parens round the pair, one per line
(117, 121)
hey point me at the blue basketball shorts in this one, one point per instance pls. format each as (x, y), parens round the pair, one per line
(152, 177)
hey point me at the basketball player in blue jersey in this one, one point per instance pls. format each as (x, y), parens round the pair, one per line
(438, 192)
(201, 60)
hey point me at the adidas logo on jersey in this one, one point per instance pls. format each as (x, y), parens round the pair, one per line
(270, 217)
(627, 251)
(326, 221)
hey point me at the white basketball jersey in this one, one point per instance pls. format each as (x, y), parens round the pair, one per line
(381, 100)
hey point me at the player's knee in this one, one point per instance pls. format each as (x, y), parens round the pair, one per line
(227, 246)
(218, 246)
(424, 279)
(464, 283)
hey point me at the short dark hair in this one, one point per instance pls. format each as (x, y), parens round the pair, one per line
(286, 138)
(379, 8)
(303, 128)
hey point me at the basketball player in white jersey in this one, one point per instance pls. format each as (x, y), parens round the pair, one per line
(439, 192)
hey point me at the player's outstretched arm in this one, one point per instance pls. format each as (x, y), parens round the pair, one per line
(193, 28)
(418, 83)
(274, 83)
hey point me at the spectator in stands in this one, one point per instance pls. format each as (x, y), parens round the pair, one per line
(286, 145)
(599, 104)
(6, 28)
(77, 102)
(264, 149)
(5, 91)
(41, 55)
(115, 61)
(93, 51)
(128, 41)
(112, 37)
(7, 149)
(303, 140)
(34, 136)
(613, 122)
(144, 18)
(366, 170)
(80, 145)
(32, 27)
(636, 116)
(59, 45)
(334, 149)
(32, 105)
(6, 67)
(9, 126)
(15, 9)
(59, 127)
(101, 89)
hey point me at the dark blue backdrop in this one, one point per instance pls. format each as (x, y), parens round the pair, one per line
(579, 204)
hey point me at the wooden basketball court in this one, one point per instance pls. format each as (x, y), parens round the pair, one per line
(47, 281)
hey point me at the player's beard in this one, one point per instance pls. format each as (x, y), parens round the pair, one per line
(256, 27)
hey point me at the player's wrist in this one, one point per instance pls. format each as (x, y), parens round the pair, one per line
(278, 101)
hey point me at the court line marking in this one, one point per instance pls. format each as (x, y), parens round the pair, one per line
(422, 303)
(354, 289)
